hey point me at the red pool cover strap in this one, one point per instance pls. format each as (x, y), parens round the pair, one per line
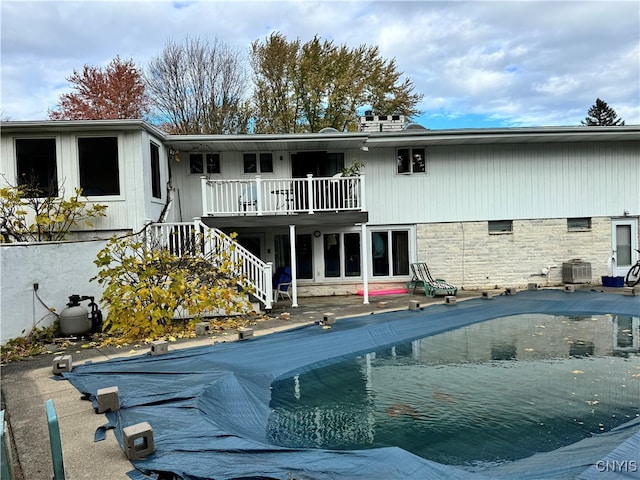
(209, 406)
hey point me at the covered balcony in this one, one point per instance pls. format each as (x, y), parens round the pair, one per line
(286, 201)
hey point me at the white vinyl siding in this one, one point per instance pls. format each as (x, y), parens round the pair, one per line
(497, 182)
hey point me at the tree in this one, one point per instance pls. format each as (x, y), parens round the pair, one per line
(199, 88)
(601, 114)
(145, 285)
(275, 70)
(28, 216)
(117, 91)
(307, 87)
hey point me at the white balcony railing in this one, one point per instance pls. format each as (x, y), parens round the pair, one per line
(282, 196)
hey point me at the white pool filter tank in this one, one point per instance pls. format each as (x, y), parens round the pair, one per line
(76, 319)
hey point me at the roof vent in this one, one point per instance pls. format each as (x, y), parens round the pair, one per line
(328, 130)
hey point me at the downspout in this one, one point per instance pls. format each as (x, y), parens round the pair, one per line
(294, 269)
(168, 204)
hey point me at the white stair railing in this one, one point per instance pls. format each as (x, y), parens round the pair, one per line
(180, 238)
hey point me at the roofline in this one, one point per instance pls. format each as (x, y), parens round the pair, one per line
(266, 137)
(57, 125)
(509, 135)
(468, 135)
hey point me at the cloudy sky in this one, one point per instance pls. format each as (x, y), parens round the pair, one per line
(477, 63)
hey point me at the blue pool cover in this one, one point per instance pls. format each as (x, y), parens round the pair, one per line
(209, 406)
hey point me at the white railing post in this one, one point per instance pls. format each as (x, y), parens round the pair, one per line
(205, 204)
(362, 194)
(268, 289)
(202, 235)
(310, 193)
(259, 195)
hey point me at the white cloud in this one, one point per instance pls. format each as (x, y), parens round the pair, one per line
(557, 86)
(512, 63)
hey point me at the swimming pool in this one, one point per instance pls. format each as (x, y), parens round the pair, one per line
(211, 407)
(477, 396)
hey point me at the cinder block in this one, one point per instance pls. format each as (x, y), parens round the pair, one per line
(414, 305)
(244, 333)
(511, 290)
(159, 347)
(329, 319)
(450, 300)
(532, 286)
(202, 328)
(62, 363)
(138, 441)
(569, 288)
(631, 291)
(108, 399)
(487, 294)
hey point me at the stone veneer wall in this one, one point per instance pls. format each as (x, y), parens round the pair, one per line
(467, 255)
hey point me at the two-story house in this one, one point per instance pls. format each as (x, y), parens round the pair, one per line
(484, 208)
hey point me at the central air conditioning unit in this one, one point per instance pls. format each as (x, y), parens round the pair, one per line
(576, 271)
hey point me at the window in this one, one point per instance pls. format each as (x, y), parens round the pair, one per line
(390, 253)
(258, 163)
(98, 162)
(304, 254)
(156, 189)
(352, 255)
(341, 250)
(198, 162)
(578, 224)
(36, 165)
(411, 160)
(331, 255)
(501, 226)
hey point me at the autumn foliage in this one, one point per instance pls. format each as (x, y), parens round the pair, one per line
(115, 92)
(28, 216)
(146, 286)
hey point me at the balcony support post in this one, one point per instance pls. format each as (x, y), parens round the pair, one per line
(294, 270)
(364, 255)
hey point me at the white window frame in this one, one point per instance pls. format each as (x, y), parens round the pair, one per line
(411, 249)
(412, 153)
(57, 158)
(258, 163)
(121, 173)
(205, 163)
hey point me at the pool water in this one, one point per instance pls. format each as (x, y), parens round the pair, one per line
(482, 395)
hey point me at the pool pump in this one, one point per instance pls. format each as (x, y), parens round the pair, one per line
(77, 319)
